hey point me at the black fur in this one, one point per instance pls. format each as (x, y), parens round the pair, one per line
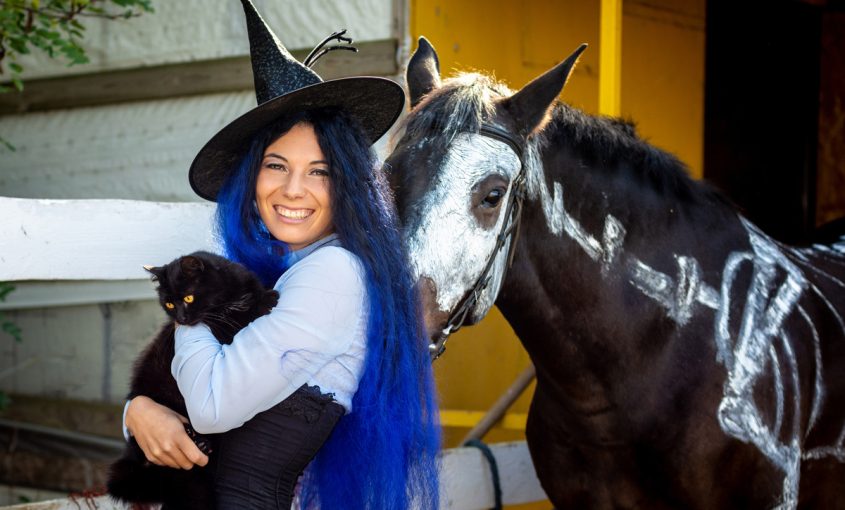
(225, 296)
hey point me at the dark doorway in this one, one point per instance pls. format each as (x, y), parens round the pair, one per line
(763, 89)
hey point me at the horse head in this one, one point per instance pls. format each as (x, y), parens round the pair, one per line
(455, 174)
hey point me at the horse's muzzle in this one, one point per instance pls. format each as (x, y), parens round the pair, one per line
(435, 319)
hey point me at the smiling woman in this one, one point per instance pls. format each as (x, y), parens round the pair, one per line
(337, 376)
(292, 190)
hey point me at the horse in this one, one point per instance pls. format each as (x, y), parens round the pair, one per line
(684, 358)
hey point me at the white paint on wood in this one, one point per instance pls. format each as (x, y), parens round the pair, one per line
(466, 480)
(191, 30)
(97, 239)
(41, 294)
(140, 150)
(136, 150)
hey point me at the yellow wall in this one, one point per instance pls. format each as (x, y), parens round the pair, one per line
(662, 90)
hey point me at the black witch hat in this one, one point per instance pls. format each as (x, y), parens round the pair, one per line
(282, 86)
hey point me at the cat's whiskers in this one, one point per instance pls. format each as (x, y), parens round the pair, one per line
(220, 319)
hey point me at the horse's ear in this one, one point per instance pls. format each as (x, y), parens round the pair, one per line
(423, 73)
(530, 106)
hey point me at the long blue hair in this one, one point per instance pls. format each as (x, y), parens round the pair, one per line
(382, 455)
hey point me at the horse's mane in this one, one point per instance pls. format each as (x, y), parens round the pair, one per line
(459, 105)
(463, 102)
(611, 144)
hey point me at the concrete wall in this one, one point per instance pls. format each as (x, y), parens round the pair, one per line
(78, 352)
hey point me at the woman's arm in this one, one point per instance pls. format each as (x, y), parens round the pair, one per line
(161, 434)
(321, 304)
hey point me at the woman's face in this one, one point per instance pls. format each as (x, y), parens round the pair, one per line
(292, 189)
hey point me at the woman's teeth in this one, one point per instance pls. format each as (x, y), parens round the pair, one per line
(296, 214)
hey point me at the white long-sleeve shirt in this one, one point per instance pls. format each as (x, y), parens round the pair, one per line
(316, 334)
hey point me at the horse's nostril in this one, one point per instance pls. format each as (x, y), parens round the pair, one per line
(435, 319)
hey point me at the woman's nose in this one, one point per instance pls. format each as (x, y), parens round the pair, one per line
(295, 186)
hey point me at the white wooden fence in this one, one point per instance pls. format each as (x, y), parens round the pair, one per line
(69, 252)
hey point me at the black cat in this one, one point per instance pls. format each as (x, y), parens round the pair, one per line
(200, 287)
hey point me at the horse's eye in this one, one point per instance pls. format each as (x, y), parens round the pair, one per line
(492, 199)
(170, 306)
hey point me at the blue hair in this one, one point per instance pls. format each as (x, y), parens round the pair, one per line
(382, 455)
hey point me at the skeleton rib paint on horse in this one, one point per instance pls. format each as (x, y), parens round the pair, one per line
(684, 359)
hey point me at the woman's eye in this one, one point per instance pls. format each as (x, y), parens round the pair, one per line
(274, 166)
(492, 199)
(322, 172)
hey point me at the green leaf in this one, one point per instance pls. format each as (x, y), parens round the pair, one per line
(14, 66)
(19, 45)
(3, 141)
(12, 330)
(17, 83)
(5, 289)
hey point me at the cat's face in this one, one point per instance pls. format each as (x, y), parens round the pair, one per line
(190, 289)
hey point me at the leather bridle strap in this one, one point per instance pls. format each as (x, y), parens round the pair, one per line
(510, 230)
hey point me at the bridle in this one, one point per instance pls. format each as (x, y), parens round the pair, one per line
(510, 229)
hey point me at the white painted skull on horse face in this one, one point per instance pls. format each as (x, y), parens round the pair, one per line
(468, 203)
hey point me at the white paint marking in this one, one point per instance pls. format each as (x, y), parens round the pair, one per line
(446, 221)
(612, 239)
(818, 385)
(778, 388)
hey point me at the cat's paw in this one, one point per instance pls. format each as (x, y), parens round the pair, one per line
(202, 442)
(269, 300)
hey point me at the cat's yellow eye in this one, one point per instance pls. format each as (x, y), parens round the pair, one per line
(189, 298)
(170, 306)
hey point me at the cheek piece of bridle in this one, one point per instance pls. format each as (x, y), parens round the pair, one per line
(510, 230)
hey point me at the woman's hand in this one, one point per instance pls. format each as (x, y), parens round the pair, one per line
(160, 433)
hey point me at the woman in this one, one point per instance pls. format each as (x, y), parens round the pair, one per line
(299, 202)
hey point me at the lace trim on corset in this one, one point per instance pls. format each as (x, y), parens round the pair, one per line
(307, 402)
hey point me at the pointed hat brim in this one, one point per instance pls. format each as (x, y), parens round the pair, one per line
(374, 102)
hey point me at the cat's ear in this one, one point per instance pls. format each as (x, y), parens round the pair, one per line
(191, 264)
(155, 272)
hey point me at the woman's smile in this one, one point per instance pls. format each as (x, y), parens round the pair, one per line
(289, 215)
